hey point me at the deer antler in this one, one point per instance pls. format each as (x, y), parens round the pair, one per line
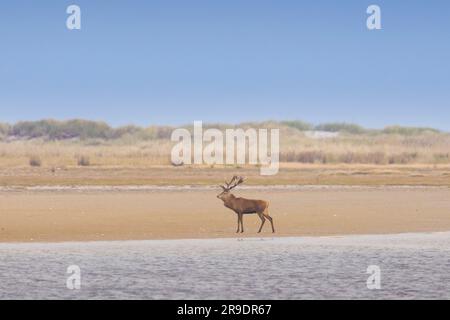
(235, 182)
(228, 183)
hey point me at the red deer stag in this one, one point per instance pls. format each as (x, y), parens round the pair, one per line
(244, 206)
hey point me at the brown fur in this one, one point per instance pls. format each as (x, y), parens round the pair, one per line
(246, 206)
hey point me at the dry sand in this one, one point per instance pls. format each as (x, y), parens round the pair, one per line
(120, 215)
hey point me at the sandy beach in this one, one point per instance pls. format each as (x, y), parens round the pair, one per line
(32, 215)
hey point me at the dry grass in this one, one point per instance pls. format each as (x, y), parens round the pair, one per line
(296, 147)
(428, 148)
(70, 153)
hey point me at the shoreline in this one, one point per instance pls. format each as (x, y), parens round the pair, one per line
(330, 237)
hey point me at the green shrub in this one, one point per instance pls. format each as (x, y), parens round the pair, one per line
(341, 127)
(408, 131)
(57, 130)
(298, 124)
(4, 128)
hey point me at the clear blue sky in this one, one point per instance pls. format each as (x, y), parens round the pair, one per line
(173, 62)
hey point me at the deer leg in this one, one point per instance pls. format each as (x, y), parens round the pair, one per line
(266, 214)
(262, 221)
(242, 222)
(238, 220)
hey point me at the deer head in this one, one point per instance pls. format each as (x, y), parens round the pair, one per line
(234, 182)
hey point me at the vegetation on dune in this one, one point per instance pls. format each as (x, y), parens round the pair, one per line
(341, 127)
(59, 130)
(298, 124)
(4, 129)
(408, 131)
(49, 129)
(52, 143)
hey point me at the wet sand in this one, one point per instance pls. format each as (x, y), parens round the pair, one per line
(85, 215)
(289, 174)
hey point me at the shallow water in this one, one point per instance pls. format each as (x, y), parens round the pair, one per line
(412, 266)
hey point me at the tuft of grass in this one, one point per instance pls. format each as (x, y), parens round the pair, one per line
(83, 161)
(442, 157)
(403, 158)
(35, 161)
(311, 156)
